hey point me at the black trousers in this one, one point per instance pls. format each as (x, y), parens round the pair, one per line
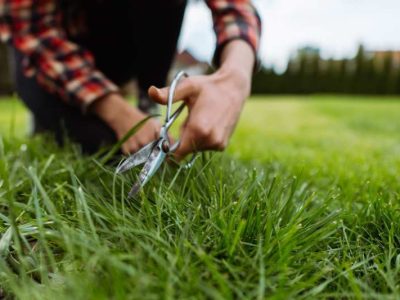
(129, 39)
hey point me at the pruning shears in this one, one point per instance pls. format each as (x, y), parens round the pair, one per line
(155, 153)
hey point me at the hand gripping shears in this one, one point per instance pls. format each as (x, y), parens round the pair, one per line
(154, 154)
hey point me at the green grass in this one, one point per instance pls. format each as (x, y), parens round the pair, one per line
(304, 204)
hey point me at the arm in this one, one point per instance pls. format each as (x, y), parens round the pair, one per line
(61, 67)
(234, 20)
(216, 101)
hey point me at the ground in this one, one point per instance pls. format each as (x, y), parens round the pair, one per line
(304, 204)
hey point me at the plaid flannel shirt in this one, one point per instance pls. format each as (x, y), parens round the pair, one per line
(34, 27)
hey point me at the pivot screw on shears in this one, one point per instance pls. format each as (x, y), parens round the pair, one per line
(165, 147)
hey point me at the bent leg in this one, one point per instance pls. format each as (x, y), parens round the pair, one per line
(53, 115)
(157, 32)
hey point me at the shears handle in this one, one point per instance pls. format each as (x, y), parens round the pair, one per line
(171, 117)
(171, 95)
(174, 116)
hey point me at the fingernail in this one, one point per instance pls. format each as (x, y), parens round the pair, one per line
(153, 88)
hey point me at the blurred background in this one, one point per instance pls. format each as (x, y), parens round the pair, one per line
(308, 46)
(312, 46)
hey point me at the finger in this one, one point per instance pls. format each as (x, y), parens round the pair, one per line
(146, 137)
(125, 149)
(184, 91)
(187, 145)
(131, 146)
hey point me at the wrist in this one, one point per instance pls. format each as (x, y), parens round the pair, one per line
(109, 108)
(238, 79)
(237, 65)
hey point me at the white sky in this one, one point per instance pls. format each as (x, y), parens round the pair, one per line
(336, 26)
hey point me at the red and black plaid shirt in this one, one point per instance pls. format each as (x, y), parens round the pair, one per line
(35, 28)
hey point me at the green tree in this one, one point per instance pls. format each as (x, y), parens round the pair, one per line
(387, 78)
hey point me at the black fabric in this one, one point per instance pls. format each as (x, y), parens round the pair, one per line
(53, 115)
(129, 39)
(133, 38)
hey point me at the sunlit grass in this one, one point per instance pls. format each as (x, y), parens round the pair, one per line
(13, 118)
(305, 204)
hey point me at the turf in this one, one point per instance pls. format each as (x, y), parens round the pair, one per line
(304, 204)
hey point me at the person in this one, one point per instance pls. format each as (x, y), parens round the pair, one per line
(71, 57)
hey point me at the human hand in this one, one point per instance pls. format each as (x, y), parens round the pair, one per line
(214, 102)
(121, 117)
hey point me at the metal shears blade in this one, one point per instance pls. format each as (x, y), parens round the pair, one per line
(156, 158)
(154, 154)
(136, 159)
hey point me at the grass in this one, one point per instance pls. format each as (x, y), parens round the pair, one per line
(304, 204)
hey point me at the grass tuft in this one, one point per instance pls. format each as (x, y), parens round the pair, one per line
(309, 218)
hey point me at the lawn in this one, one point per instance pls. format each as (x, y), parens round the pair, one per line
(305, 203)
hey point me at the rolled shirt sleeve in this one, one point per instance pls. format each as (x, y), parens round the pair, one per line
(34, 28)
(235, 19)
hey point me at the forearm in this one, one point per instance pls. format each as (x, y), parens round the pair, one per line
(237, 63)
(112, 108)
(109, 107)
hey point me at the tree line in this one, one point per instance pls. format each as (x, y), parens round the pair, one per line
(308, 72)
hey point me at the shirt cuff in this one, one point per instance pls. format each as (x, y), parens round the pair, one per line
(221, 45)
(83, 91)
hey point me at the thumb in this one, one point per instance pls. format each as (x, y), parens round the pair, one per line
(184, 91)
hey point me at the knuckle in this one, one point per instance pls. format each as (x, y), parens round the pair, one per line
(141, 143)
(133, 149)
(190, 82)
(132, 145)
(125, 149)
(222, 146)
(130, 150)
(202, 132)
(218, 142)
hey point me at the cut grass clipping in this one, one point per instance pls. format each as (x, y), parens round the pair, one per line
(224, 229)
